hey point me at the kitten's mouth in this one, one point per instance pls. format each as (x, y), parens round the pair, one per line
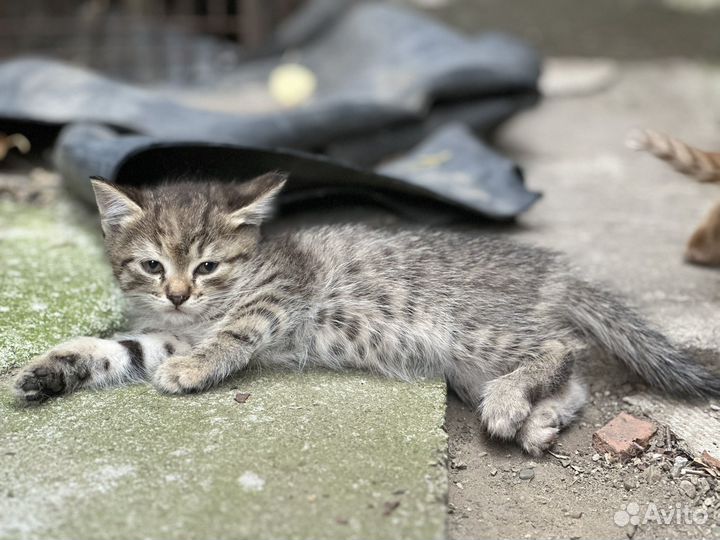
(176, 311)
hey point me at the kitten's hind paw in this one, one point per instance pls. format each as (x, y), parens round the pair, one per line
(183, 375)
(504, 409)
(538, 435)
(37, 383)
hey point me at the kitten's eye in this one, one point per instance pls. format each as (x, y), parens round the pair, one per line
(152, 267)
(207, 267)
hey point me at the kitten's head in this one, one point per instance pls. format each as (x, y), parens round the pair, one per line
(177, 249)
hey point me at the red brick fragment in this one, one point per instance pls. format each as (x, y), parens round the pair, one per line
(624, 436)
(709, 460)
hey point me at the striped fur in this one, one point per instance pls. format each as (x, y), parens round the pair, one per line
(502, 322)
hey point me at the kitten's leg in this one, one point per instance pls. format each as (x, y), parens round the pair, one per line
(228, 351)
(550, 415)
(507, 401)
(88, 362)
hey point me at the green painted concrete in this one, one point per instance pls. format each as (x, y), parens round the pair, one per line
(316, 455)
(54, 282)
(310, 455)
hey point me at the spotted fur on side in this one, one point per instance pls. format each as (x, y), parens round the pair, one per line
(503, 323)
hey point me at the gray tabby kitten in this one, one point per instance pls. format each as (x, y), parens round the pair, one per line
(502, 323)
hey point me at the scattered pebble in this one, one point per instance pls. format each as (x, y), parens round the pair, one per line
(389, 507)
(688, 489)
(241, 397)
(458, 464)
(630, 483)
(493, 472)
(703, 486)
(678, 465)
(574, 515)
(527, 474)
(652, 474)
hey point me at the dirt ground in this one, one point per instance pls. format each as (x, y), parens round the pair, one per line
(587, 212)
(576, 497)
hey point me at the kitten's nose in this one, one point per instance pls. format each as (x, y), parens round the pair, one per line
(177, 299)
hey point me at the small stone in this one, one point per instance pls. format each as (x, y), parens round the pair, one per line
(241, 397)
(708, 501)
(451, 508)
(596, 457)
(630, 483)
(459, 485)
(574, 515)
(389, 507)
(688, 489)
(565, 463)
(624, 436)
(493, 472)
(482, 454)
(678, 465)
(527, 474)
(458, 464)
(703, 486)
(652, 474)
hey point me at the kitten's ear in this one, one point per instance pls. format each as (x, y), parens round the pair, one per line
(116, 208)
(257, 198)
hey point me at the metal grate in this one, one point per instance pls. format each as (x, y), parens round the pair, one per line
(141, 40)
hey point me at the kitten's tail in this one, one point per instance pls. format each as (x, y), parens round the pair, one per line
(619, 330)
(705, 166)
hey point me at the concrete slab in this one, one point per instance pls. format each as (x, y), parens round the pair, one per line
(312, 455)
(318, 455)
(55, 282)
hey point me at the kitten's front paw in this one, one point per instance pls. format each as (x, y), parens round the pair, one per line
(183, 375)
(55, 373)
(61, 370)
(39, 382)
